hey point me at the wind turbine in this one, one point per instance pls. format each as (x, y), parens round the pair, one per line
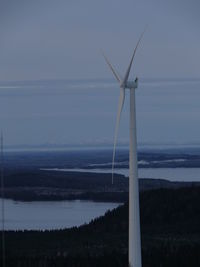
(2, 201)
(134, 210)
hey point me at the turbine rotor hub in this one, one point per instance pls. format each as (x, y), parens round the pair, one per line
(132, 84)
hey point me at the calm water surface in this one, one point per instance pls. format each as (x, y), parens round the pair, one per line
(65, 214)
(52, 214)
(171, 174)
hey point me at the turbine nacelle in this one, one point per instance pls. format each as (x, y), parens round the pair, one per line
(124, 84)
(132, 84)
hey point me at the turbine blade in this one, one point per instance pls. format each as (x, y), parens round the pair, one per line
(120, 107)
(130, 64)
(112, 69)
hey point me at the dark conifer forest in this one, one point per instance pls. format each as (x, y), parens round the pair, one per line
(170, 220)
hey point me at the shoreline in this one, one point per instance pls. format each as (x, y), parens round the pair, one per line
(103, 193)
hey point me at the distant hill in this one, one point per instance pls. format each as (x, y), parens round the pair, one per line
(31, 185)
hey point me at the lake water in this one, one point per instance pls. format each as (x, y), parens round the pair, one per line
(52, 214)
(64, 214)
(171, 174)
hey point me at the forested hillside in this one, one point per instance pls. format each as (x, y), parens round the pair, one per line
(170, 220)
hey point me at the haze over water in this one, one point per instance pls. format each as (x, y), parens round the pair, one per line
(84, 112)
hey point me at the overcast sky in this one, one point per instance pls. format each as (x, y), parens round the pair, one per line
(53, 39)
(62, 39)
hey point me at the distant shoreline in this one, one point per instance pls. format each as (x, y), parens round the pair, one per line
(117, 194)
(146, 147)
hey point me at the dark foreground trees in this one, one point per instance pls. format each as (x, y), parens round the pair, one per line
(170, 222)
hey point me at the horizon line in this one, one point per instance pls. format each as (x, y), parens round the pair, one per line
(144, 79)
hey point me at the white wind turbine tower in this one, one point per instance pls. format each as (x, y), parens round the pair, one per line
(2, 202)
(134, 211)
